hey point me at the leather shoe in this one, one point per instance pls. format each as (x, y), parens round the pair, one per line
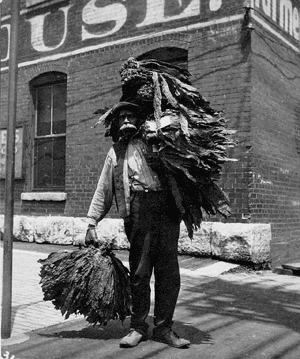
(168, 336)
(132, 339)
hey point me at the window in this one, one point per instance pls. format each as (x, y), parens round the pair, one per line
(172, 55)
(49, 99)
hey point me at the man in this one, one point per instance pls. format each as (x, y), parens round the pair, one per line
(151, 225)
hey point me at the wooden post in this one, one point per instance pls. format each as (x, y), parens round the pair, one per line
(10, 174)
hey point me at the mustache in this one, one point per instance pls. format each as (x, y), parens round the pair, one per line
(128, 126)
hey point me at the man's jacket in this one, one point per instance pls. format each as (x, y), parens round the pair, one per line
(125, 167)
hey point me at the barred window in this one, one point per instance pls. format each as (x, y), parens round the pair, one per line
(49, 99)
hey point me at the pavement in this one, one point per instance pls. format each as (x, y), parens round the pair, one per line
(226, 311)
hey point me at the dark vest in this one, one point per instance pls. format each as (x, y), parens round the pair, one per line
(120, 150)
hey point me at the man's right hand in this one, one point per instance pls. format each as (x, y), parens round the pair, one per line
(91, 237)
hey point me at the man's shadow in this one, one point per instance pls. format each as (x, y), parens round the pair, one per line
(117, 330)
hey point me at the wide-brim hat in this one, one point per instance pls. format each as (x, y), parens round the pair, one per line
(118, 107)
(108, 117)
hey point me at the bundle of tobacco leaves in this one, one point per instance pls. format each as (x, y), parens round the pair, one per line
(190, 138)
(192, 158)
(89, 281)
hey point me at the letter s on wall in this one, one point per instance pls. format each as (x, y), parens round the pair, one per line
(93, 15)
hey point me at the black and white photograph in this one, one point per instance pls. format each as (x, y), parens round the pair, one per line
(150, 179)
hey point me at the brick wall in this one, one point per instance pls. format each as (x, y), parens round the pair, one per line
(275, 188)
(222, 74)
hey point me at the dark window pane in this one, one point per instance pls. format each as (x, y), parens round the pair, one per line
(49, 166)
(43, 107)
(59, 161)
(43, 163)
(59, 108)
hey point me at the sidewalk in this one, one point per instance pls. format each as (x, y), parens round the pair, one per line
(29, 311)
(226, 316)
(27, 296)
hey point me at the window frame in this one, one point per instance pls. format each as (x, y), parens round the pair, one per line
(47, 79)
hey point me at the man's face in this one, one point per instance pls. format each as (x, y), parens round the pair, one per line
(127, 116)
(127, 122)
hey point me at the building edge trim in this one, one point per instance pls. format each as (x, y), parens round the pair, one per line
(274, 32)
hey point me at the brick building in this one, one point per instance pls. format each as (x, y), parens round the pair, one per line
(243, 56)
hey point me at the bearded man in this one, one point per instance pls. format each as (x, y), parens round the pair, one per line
(151, 223)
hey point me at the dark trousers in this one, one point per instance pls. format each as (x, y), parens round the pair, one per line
(153, 232)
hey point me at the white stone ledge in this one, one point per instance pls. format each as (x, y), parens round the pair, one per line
(44, 196)
(241, 242)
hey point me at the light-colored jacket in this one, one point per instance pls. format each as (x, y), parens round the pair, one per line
(125, 167)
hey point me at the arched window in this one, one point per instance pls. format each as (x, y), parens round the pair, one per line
(49, 94)
(172, 55)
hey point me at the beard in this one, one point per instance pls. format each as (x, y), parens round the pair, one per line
(128, 130)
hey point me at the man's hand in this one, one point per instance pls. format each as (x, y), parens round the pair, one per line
(91, 237)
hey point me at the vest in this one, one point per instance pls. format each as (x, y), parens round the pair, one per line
(123, 203)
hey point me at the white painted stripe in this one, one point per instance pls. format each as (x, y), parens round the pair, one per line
(274, 32)
(129, 40)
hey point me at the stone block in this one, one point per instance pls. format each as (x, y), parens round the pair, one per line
(200, 244)
(244, 242)
(295, 266)
(282, 271)
(24, 228)
(112, 231)
(239, 242)
(53, 229)
(108, 230)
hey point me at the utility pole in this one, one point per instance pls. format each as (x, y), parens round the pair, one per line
(0, 51)
(10, 173)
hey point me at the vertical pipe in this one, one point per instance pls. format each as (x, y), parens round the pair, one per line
(10, 173)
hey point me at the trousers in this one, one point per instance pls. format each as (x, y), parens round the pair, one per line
(153, 231)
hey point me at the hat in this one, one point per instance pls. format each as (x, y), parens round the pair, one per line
(108, 116)
(117, 108)
(125, 105)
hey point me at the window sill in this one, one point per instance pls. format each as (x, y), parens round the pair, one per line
(44, 196)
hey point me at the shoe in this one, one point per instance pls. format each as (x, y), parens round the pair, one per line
(169, 337)
(132, 339)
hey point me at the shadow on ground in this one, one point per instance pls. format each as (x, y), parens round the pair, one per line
(116, 331)
(245, 317)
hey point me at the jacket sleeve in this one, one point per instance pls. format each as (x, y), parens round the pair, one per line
(103, 196)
